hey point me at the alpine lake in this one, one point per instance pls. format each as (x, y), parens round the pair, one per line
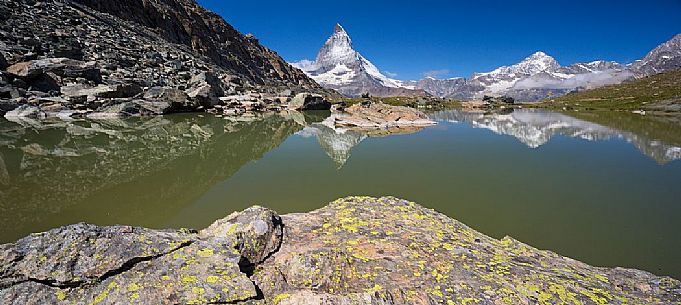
(603, 188)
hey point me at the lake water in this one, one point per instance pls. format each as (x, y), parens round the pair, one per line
(601, 188)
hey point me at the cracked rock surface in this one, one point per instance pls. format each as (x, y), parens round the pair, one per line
(87, 264)
(356, 250)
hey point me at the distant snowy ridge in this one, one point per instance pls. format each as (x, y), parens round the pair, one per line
(340, 67)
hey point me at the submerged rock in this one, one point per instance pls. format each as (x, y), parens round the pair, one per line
(356, 250)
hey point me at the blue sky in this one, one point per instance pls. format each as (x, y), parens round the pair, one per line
(456, 38)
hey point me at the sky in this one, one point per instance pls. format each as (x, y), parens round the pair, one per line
(413, 39)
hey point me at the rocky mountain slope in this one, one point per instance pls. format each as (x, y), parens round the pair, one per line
(132, 56)
(340, 67)
(666, 57)
(356, 250)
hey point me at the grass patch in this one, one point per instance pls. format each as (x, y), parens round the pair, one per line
(639, 94)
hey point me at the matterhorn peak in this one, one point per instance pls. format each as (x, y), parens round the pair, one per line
(339, 66)
(339, 29)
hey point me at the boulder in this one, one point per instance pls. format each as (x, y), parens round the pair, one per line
(87, 264)
(63, 67)
(102, 91)
(308, 101)
(355, 250)
(46, 82)
(26, 111)
(370, 115)
(176, 99)
(205, 88)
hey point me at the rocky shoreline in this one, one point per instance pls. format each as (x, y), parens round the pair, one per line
(88, 58)
(356, 250)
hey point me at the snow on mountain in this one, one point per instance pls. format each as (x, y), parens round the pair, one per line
(541, 71)
(665, 57)
(503, 78)
(339, 66)
(539, 76)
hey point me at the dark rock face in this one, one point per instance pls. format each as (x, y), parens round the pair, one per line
(49, 45)
(3, 62)
(356, 250)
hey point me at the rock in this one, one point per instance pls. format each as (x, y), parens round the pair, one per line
(308, 101)
(166, 43)
(8, 104)
(9, 92)
(362, 250)
(258, 233)
(176, 100)
(370, 115)
(3, 61)
(26, 111)
(205, 88)
(285, 93)
(356, 250)
(86, 264)
(47, 82)
(63, 67)
(102, 91)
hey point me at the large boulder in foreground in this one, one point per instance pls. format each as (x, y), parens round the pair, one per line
(356, 250)
(86, 264)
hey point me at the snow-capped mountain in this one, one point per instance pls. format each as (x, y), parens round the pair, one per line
(340, 67)
(665, 57)
(503, 78)
(539, 76)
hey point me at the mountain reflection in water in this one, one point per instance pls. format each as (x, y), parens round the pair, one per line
(536, 127)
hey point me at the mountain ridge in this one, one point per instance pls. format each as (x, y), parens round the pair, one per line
(537, 77)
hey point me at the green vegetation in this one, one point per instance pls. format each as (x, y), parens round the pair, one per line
(661, 92)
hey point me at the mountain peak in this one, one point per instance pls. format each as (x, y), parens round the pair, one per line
(538, 62)
(339, 29)
(539, 55)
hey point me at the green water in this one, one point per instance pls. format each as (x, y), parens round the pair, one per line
(604, 189)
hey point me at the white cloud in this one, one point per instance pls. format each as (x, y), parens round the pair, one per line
(587, 80)
(390, 74)
(436, 73)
